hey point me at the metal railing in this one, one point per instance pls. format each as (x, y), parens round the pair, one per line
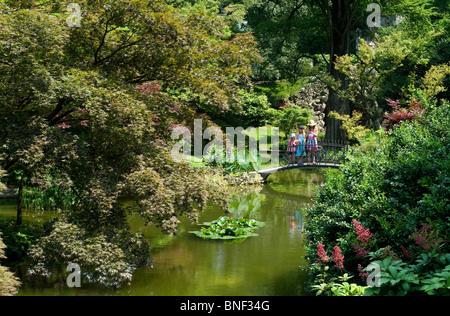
(328, 152)
(331, 152)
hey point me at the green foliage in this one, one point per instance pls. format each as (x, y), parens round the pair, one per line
(250, 111)
(9, 283)
(229, 228)
(430, 275)
(2, 185)
(363, 76)
(240, 161)
(432, 82)
(19, 238)
(354, 132)
(338, 286)
(288, 118)
(51, 199)
(290, 35)
(281, 90)
(106, 260)
(253, 111)
(399, 57)
(87, 111)
(391, 190)
(395, 278)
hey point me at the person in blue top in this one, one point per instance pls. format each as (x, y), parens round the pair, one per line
(301, 145)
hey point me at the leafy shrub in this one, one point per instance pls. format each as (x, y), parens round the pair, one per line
(106, 260)
(415, 110)
(2, 174)
(8, 282)
(391, 191)
(280, 90)
(288, 117)
(242, 161)
(19, 238)
(51, 199)
(430, 275)
(354, 132)
(338, 286)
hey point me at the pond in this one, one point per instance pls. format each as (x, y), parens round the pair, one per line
(186, 265)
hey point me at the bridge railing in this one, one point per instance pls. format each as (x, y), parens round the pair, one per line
(332, 152)
(328, 152)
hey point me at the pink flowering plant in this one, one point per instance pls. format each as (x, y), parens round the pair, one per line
(337, 257)
(321, 254)
(421, 268)
(328, 282)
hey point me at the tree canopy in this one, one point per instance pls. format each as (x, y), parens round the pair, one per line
(80, 110)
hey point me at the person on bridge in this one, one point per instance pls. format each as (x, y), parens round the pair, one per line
(301, 145)
(311, 144)
(291, 149)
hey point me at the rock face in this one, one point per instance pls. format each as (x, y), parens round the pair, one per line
(314, 96)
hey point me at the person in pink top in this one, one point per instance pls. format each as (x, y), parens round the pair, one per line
(311, 143)
(292, 149)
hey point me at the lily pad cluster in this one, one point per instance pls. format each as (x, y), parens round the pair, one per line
(228, 228)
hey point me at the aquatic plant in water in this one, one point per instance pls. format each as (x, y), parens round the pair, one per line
(229, 228)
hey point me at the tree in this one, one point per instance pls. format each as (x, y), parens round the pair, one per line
(398, 57)
(341, 15)
(293, 34)
(289, 117)
(74, 117)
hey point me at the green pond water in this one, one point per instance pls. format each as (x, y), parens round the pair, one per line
(186, 265)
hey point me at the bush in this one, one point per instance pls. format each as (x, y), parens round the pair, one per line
(19, 238)
(251, 111)
(9, 284)
(254, 107)
(288, 117)
(430, 275)
(414, 111)
(107, 260)
(390, 192)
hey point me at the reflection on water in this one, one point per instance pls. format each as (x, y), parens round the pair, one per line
(8, 209)
(295, 223)
(298, 182)
(188, 265)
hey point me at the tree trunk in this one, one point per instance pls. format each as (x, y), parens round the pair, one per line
(334, 133)
(20, 203)
(342, 13)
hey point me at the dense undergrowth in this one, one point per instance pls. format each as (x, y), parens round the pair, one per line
(388, 201)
